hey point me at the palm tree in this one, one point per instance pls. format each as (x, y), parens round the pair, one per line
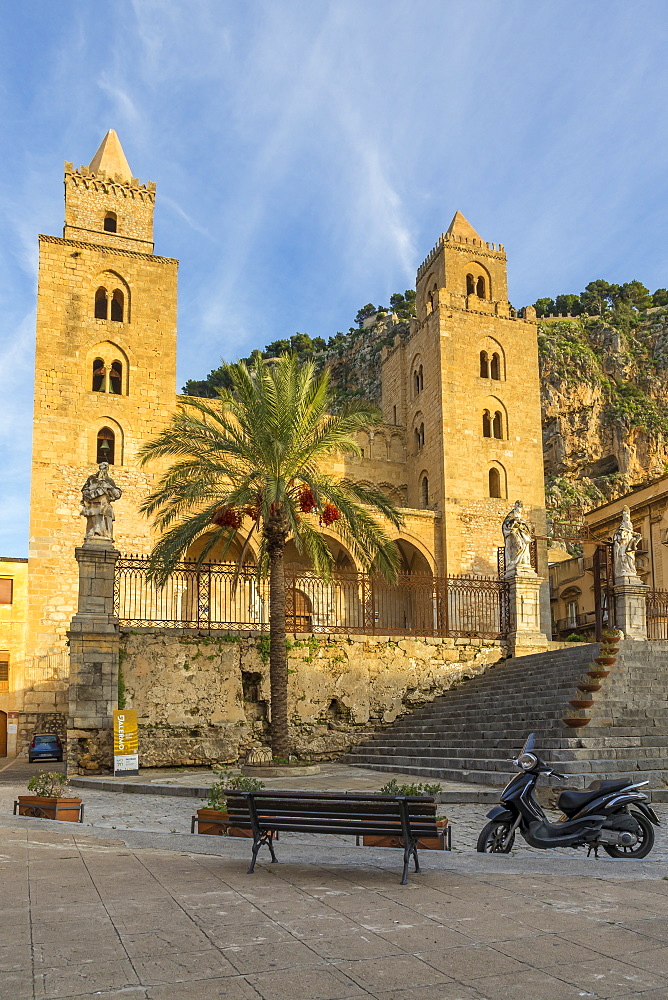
(259, 451)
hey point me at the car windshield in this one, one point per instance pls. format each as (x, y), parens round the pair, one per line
(46, 740)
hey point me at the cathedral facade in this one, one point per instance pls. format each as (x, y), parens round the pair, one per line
(460, 441)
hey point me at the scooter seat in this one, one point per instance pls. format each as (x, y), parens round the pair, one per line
(571, 802)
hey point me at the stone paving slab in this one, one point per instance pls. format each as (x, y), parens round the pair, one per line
(88, 917)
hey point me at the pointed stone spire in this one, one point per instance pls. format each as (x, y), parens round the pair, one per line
(110, 158)
(462, 227)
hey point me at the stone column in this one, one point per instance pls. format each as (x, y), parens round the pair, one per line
(525, 636)
(631, 607)
(94, 645)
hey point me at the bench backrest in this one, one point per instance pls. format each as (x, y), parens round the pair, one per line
(332, 812)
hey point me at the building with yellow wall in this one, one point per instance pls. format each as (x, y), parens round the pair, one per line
(461, 437)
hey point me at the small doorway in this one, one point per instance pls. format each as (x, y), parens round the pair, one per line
(3, 734)
(298, 612)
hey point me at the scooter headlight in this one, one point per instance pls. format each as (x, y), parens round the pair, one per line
(527, 761)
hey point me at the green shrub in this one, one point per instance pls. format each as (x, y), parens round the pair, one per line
(48, 784)
(231, 782)
(394, 788)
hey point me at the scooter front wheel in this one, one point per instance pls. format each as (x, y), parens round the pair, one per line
(492, 839)
(645, 840)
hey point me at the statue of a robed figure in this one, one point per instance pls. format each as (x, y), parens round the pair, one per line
(625, 543)
(517, 541)
(97, 495)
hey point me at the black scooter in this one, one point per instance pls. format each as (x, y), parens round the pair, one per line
(600, 816)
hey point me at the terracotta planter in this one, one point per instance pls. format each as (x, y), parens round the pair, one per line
(214, 822)
(598, 673)
(605, 661)
(608, 651)
(582, 702)
(424, 843)
(588, 686)
(576, 723)
(69, 810)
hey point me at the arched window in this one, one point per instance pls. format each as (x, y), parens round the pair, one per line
(105, 445)
(484, 364)
(110, 222)
(486, 424)
(117, 306)
(99, 374)
(497, 426)
(416, 383)
(421, 378)
(494, 483)
(116, 378)
(495, 367)
(480, 287)
(425, 491)
(394, 414)
(470, 284)
(101, 303)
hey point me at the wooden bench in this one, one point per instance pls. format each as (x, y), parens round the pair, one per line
(266, 813)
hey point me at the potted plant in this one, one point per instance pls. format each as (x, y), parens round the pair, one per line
(438, 843)
(597, 672)
(588, 685)
(576, 721)
(47, 802)
(214, 818)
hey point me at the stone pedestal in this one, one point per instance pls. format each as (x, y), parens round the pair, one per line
(631, 607)
(94, 644)
(525, 636)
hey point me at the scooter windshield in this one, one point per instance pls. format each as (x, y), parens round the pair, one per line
(529, 745)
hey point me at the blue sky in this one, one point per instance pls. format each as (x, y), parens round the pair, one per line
(307, 155)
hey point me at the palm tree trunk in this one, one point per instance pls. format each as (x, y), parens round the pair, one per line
(278, 661)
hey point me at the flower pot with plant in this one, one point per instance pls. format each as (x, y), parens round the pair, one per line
(214, 818)
(47, 801)
(438, 843)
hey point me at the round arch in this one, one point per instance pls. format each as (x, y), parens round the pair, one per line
(475, 271)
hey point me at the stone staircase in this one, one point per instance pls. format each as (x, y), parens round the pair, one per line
(470, 733)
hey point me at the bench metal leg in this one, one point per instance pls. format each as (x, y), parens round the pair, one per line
(410, 849)
(265, 838)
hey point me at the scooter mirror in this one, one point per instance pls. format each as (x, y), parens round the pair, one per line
(529, 745)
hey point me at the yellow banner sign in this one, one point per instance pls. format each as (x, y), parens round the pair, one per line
(126, 732)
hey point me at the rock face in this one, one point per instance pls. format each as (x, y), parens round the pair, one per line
(605, 424)
(204, 700)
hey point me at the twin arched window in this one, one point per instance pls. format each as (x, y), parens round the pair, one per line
(476, 286)
(419, 437)
(418, 381)
(110, 306)
(108, 378)
(492, 424)
(490, 367)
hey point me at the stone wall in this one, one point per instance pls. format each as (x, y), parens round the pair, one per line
(205, 699)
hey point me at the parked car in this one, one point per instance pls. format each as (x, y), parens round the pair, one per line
(45, 745)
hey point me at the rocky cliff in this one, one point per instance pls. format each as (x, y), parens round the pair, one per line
(604, 391)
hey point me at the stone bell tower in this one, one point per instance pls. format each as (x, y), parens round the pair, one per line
(466, 383)
(105, 374)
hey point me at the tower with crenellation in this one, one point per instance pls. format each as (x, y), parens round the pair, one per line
(465, 385)
(105, 373)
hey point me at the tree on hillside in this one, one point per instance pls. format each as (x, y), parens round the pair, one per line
(636, 295)
(660, 297)
(368, 310)
(403, 305)
(544, 307)
(258, 455)
(565, 304)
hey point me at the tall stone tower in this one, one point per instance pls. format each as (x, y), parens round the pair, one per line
(466, 386)
(105, 373)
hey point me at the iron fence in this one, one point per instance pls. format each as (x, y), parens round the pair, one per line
(657, 614)
(217, 597)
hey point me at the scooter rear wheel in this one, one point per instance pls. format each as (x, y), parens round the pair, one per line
(492, 838)
(645, 840)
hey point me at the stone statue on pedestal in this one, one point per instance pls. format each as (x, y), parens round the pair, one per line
(625, 542)
(517, 541)
(97, 495)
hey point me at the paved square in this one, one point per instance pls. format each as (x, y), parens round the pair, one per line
(88, 917)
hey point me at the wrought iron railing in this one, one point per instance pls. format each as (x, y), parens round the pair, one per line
(657, 614)
(217, 597)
